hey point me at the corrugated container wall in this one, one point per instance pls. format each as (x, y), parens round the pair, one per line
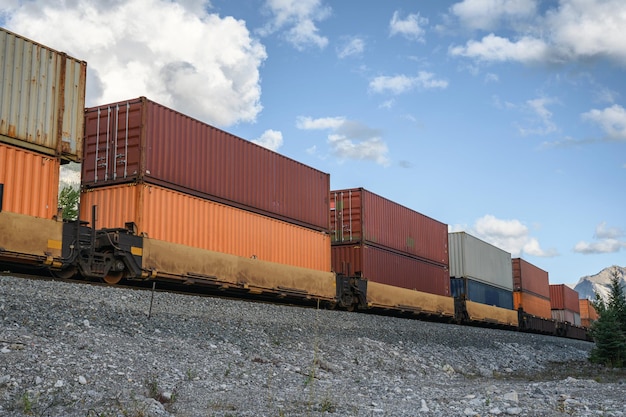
(140, 140)
(473, 258)
(566, 316)
(42, 97)
(479, 292)
(563, 297)
(529, 278)
(587, 310)
(358, 215)
(176, 217)
(391, 268)
(532, 304)
(31, 182)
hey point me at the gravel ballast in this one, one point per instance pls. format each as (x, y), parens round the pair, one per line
(73, 349)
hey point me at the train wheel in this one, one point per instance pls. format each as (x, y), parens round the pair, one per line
(113, 277)
(66, 273)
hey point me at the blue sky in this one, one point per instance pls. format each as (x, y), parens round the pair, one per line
(506, 119)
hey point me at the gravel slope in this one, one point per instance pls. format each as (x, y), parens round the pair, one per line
(81, 350)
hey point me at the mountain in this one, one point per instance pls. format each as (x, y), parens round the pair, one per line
(600, 283)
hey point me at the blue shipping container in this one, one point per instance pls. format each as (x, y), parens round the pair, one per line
(481, 293)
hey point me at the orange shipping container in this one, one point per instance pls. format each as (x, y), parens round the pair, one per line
(175, 217)
(587, 311)
(31, 182)
(532, 304)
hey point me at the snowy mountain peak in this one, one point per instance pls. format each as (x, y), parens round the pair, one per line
(600, 283)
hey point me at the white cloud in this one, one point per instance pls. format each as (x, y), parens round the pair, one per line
(498, 49)
(608, 241)
(353, 47)
(411, 27)
(298, 18)
(604, 232)
(308, 123)
(349, 139)
(590, 28)
(401, 83)
(488, 14)
(539, 108)
(611, 119)
(571, 30)
(510, 235)
(270, 139)
(177, 54)
(602, 246)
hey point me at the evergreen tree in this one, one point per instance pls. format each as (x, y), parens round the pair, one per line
(68, 201)
(609, 331)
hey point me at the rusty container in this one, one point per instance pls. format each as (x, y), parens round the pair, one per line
(172, 216)
(391, 268)
(30, 182)
(478, 260)
(563, 297)
(530, 279)
(141, 141)
(360, 216)
(42, 97)
(532, 304)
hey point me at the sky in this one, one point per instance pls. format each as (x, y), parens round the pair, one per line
(504, 119)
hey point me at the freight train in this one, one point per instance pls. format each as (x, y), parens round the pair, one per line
(166, 198)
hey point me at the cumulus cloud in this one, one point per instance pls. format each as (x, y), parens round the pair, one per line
(297, 18)
(568, 31)
(510, 235)
(498, 49)
(611, 119)
(411, 27)
(609, 240)
(349, 139)
(270, 139)
(488, 14)
(175, 53)
(399, 84)
(352, 47)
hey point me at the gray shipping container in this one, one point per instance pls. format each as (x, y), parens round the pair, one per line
(42, 97)
(475, 259)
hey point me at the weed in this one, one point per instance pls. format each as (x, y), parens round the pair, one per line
(191, 374)
(327, 406)
(27, 403)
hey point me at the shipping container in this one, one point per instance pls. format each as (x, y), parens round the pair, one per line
(42, 97)
(532, 304)
(391, 268)
(588, 313)
(171, 216)
(480, 261)
(142, 141)
(482, 293)
(530, 279)
(563, 297)
(566, 316)
(360, 216)
(30, 182)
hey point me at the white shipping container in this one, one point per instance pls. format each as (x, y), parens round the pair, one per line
(42, 97)
(475, 259)
(566, 316)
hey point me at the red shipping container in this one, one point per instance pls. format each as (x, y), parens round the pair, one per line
(360, 216)
(563, 297)
(391, 268)
(140, 140)
(530, 279)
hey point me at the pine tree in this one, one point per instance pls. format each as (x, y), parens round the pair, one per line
(68, 201)
(609, 331)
